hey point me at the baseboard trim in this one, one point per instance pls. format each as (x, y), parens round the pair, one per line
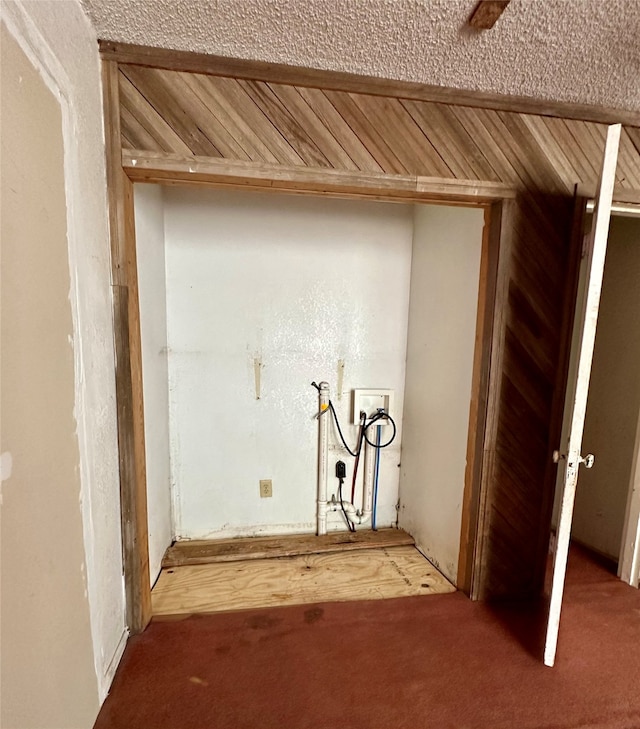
(112, 666)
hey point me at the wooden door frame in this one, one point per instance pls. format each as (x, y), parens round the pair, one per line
(126, 167)
(485, 391)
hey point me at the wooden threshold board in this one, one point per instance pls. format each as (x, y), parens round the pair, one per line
(371, 574)
(233, 550)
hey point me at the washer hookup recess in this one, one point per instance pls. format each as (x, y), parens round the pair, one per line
(371, 401)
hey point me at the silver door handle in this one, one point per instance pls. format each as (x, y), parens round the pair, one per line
(588, 460)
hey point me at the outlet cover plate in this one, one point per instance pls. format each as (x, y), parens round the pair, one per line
(370, 401)
(266, 488)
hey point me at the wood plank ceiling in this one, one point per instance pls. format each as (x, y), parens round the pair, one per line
(543, 158)
(254, 121)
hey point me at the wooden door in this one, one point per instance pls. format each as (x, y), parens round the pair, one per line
(569, 457)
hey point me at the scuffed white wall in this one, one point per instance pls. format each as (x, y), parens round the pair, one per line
(61, 44)
(297, 284)
(149, 214)
(447, 245)
(613, 405)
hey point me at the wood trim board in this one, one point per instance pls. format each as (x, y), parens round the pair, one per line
(500, 234)
(235, 550)
(113, 149)
(128, 366)
(470, 545)
(333, 80)
(487, 13)
(165, 168)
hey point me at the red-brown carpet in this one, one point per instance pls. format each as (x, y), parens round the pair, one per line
(437, 661)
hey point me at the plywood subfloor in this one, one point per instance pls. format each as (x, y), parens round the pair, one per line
(371, 574)
(235, 550)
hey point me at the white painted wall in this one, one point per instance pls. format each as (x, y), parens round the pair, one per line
(442, 321)
(613, 407)
(45, 614)
(149, 214)
(299, 284)
(61, 45)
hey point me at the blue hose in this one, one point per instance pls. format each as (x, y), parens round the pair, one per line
(375, 479)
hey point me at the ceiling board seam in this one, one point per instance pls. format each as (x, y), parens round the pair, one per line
(454, 111)
(173, 120)
(129, 123)
(476, 158)
(189, 81)
(369, 107)
(327, 149)
(364, 105)
(597, 132)
(282, 145)
(538, 148)
(475, 121)
(358, 152)
(219, 136)
(129, 97)
(634, 136)
(269, 103)
(232, 121)
(562, 133)
(126, 141)
(456, 157)
(360, 125)
(408, 121)
(508, 130)
(557, 159)
(629, 160)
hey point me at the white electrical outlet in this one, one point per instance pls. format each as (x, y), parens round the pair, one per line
(370, 402)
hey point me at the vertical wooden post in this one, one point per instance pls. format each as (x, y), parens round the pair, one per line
(500, 242)
(479, 395)
(130, 405)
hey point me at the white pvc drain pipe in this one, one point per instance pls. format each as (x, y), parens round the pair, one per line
(354, 515)
(323, 457)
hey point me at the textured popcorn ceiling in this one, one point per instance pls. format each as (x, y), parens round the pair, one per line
(584, 51)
